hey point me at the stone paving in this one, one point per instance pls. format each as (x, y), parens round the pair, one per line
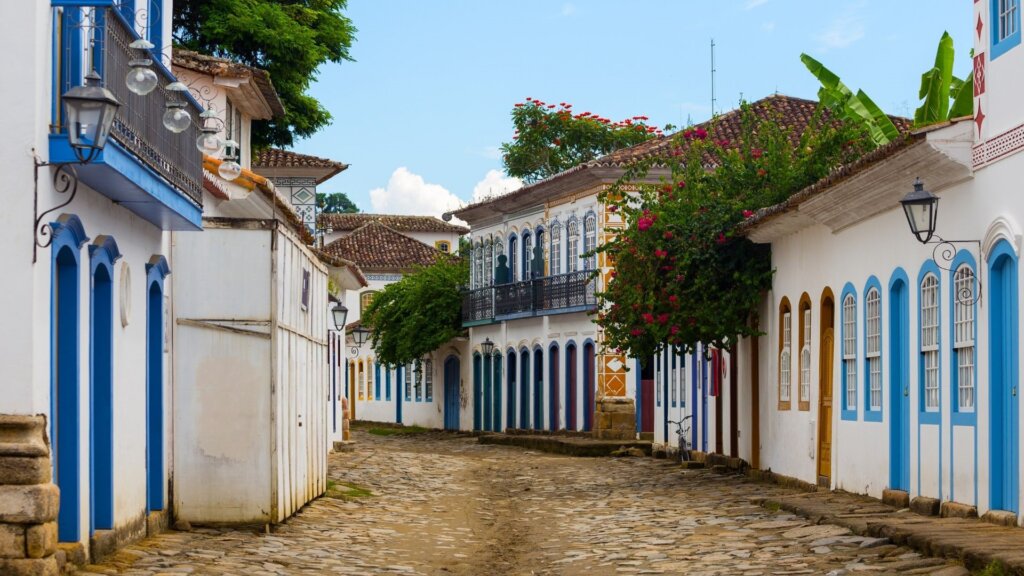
(443, 504)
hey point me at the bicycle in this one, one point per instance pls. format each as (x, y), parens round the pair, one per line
(682, 433)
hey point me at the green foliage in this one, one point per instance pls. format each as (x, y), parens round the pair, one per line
(290, 39)
(682, 273)
(939, 86)
(994, 568)
(335, 203)
(549, 138)
(398, 431)
(858, 108)
(419, 313)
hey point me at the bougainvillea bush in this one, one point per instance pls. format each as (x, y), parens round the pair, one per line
(682, 273)
(550, 138)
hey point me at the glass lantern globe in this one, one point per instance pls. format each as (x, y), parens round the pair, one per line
(229, 169)
(209, 143)
(141, 79)
(176, 117)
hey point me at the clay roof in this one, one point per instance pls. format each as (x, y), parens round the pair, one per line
(216, 66)
(277, 158)
(374, 246)
(794, 113)
(399, 223)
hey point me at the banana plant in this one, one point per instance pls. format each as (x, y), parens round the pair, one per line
(939, 86)
(854, 107)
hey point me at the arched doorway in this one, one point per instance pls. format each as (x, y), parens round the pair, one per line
(524, 389)
(103, 254)
(1003, 376)
(553, 387)
(477, 385)
(899, 382)
(512, 373)
(538, 389)
(570, 386)
(496, 395)
(589, 385)
(156, 271)
(452, 405)
(826, 350)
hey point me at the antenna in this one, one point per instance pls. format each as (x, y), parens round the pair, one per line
(712, 77)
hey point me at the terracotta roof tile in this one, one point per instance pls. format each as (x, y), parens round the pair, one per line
(399, 223)
(374, 246)
(277, 158)
(216, 66)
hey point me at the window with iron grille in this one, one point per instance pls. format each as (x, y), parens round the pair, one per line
(590, 240)
(527, 256)
(556, 249)
(805, 358)
(572, 253)
(428, 369)
(963, 341)
(785, 362)
(418, 381)
(488, 269)
(873, 347)
(408, 382)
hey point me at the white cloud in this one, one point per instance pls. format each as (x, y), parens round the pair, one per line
(408, 193)
(568, 9)
(751, 4)
(495, 184)
(490, 152)
(846, 29)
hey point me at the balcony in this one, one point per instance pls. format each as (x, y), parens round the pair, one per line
(146, 168)
(564, 293)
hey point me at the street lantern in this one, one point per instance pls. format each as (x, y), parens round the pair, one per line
(90, 111)
(141, 79)
(360, 335)
(487, 347)
(340, 315)
(922, 210)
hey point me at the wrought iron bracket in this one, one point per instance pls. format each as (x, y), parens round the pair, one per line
(65, 181)
(943, 254)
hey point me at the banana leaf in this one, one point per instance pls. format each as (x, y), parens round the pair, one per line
(935, 85)
(828, 79)
(963, 100)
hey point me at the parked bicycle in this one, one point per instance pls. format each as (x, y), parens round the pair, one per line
(682, 434)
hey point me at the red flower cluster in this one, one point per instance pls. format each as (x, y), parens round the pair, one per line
(659, 253)
(757, 152)
(648, 317)
(721, 238)
(748, 213)
(696, 133)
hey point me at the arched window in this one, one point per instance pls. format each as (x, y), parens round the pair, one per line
(428, 369)
(556, 249)
(590, 240)
(408, 382)
(850, 355)
(478, 264)
(488, 269)
(512, 258)
(499, 249)
(365, 299)
(804, 394)
(963, 340)
(930, 341)
(541, 242)
(362, 380)
(873, 347)
(527, 256)
(572, 253)
(785, 353)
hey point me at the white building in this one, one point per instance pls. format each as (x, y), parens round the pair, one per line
(890, 366)
(385, 247)
(86, 400)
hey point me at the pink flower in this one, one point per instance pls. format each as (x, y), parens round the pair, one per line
(756, 152)
(681, 184)
(613, 208)
(700, 133)
(636, 332)
(667, 235)
(663, 318)
(674, 330)
(660, 253)
(762, 172)
(644, 224)
(648, 317)
(673, 298)
(721, 238)
(748, 213)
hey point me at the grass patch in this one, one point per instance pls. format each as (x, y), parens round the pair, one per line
(403, 431)
(346, 490)
(995, 568)
(772, 506)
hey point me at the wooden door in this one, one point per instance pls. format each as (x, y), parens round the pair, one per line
(825, 405)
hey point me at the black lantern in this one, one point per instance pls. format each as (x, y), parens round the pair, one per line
(487, 347)
(340, 315)
(90, 111)
(922, 210)
(360, 335)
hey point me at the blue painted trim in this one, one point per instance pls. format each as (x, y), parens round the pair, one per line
(103, 253)
(869, 414)
(572, 363)
(82, 3)
(376, 380)
(116, 162)
(589, 384)
(155, 27)
(156, 271)
(525, 366)
(682, 378)
(538, 388)
(899, 380)
(513, 243)
(846, 411)
(477, 383)
(554, 366)
(496, 395)
(65, 317)
(1000, 47)
(399, 395)
(512, 384)
(638, 384)
(924, 416)
(387, 384)
(488, 382)
(959, 418)
(452, 368)
(1004, 361)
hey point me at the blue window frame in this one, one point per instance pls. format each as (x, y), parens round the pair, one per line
(387, 385)
(873, 376)
(659, 374)
(155, 24)
(1005, 25)
(376, 380)
(428, 379)
(848, 374)
(963, 340)
(929, 341)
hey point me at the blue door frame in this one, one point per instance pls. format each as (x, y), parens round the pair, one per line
(899, 382)
(487, 382)
(496, 396)
(589, 385)
(524, 389)
(513, 363)
(399, 392)
(538, 389)
(156, 271)
(553, 387)
(1003, 386)
(477, 384)
(103, 254)
(452, 371)
(570, 386)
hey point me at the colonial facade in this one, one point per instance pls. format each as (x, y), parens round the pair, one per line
(385, 247)
(890, 366)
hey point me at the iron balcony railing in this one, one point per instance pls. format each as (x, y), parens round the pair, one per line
(139, 123)
(530, 298)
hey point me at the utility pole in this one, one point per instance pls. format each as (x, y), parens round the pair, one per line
(712, 77)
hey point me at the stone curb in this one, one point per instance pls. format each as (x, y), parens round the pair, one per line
(974, 543)
(567, 445)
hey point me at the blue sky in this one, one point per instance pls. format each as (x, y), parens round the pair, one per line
(422, 111)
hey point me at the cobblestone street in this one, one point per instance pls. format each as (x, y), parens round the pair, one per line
(442, 504)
